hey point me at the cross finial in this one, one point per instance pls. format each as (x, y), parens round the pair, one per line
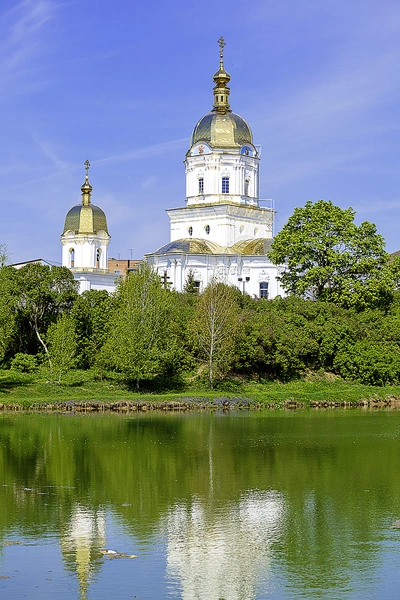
(222, 44)
(87, 165)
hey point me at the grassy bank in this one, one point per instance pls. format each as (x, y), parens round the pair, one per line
(30, 391)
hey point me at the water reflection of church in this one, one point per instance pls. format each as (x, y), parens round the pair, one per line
(81, 542)
(223, 552)
(211, 552)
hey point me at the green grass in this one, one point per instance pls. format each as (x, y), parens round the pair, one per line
(27, 390)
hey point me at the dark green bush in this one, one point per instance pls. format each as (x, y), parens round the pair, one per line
(24, 363)
(371, 363)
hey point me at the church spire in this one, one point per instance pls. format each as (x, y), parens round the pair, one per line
(86, 187)
(221, 79)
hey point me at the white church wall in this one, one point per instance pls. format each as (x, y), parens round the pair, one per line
(244, 272)
(211, 167)
(227, 224)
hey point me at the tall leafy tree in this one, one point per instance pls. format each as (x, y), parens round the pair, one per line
(91, 315)
(8, 304)
(4, 255)
(141, 341)
(62, 343)
(329, 257)
(44, 293)
(215, 325)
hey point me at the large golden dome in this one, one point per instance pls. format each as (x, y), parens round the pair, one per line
(222, 128)
(227, 130)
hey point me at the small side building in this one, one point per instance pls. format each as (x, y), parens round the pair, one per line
(84, 241)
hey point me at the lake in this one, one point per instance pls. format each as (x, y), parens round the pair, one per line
(215, 506)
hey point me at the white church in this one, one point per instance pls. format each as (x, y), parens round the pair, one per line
(224, 231)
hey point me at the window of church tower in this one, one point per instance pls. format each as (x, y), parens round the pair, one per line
(98, 255)
(264, 289)
(207, 229)
(201, 185)
(246, 187)
(225, 185)
(190, 231)
(71, 258)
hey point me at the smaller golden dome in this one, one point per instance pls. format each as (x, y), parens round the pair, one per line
(86, 218)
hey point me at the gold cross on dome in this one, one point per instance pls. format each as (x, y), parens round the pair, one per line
(87, 165)
(222, 44)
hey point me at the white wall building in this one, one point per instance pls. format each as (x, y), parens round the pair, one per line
(85, 242)
(223, 231)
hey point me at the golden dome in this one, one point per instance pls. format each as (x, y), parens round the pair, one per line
(191, 246)
(222, 131)
(221, 128)
(257, 247)
(86, 217)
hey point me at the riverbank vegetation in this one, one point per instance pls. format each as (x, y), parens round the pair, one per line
(83, 390)
(335, 337)
(149, 341)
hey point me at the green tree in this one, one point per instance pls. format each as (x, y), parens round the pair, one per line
(190, 286)
(8, 304)
(91, 314)
(61, 338)
(330, 258)
(4, 255)
(44, 293)
(215, 326)
(141, 342)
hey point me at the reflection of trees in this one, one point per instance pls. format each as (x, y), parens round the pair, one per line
(327, 468)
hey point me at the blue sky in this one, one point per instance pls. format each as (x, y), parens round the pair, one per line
(123, 83)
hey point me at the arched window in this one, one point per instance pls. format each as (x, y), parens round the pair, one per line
(201, 185)
(225, 185)
(98, 256)
(71, 258)
(263, 289)
(246, 186)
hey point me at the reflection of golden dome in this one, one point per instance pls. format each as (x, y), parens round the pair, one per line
(228, 130)
(86, 217)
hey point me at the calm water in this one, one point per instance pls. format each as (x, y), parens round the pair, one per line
(237, 506)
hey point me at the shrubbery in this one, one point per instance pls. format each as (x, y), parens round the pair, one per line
(147, 333)
(24, 363)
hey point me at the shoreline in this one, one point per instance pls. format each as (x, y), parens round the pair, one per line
(190, 404)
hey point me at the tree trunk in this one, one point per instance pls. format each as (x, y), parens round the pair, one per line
(39, 337)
